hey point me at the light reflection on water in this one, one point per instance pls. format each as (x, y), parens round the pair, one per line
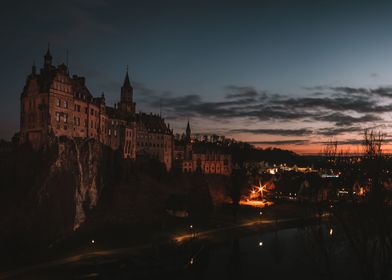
(291, 253)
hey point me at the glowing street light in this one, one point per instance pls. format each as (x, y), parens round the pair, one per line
(92, 241)
(331, 231)
(260, 243)
(193, 230)
(191, 261)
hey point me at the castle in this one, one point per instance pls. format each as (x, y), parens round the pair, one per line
(53, 103)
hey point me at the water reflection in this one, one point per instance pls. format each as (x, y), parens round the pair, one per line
(234, 265)
(303, 253)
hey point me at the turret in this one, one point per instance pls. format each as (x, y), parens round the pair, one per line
(48, 58)
(33, 69)
(188, 132)
(126, 90)
(126, 102)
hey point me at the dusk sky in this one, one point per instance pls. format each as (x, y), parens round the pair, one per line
(289, 74)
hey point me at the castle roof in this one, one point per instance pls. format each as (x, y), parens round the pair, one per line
(46, 76)
(152, 123)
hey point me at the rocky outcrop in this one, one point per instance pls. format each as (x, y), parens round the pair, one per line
(51, 192)
(78, 164)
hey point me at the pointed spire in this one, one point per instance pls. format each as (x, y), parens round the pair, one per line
(127, 83)
(48, 51)
(188, 131)
(33, 69)
(48, 57)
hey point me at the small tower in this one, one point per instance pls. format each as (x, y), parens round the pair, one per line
(126, 101)
(188, 132)
(48, 58)
(33, 69)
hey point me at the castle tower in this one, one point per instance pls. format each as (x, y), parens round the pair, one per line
(126, 102)
(48, 58)
(188, 132)
(33, 69)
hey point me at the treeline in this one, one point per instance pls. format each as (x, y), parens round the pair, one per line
(244, 152)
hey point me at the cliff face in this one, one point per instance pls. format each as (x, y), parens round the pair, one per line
(51, 192)
(74, 174)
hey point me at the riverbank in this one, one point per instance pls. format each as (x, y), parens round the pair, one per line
(170, 242)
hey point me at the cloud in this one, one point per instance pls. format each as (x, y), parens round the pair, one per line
(341, 119)
(280, 142)
(281, 132)
(342, 104)
(347, 108)
(333, 131)
(374, 75)
(375, 92)
(344, 142)
(240, 92)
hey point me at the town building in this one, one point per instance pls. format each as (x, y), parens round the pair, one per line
(54, 103)
(190, 157)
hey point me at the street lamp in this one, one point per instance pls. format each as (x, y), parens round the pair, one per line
(193, 230)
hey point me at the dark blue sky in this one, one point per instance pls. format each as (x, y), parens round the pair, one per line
(283, 73)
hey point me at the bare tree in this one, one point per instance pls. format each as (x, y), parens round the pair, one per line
(372, 144)
(330, 151)
(367, 224)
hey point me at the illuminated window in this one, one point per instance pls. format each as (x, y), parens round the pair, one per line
(58, 102)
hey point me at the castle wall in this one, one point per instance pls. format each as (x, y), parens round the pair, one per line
(33, 114)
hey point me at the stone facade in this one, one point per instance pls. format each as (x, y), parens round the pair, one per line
(55, 103)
